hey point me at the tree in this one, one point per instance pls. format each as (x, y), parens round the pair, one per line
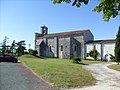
(4, 47)
(110, 8)
(20, 47)
(117, 46)
(94, 54)
(12, 48)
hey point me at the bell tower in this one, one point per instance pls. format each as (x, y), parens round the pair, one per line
(44, 30)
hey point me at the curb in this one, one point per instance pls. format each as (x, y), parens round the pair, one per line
(49, 84)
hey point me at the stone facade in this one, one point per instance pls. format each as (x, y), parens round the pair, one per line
(62, 45)
(71, 44)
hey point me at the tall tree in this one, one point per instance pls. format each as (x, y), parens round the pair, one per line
(117, 47)
(20, 47)
(4, 45)
(12, 48)
(110, 8)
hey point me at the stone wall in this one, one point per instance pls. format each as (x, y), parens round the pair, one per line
(64, 47)
(76, 49)
(88, 36)
(52, 44)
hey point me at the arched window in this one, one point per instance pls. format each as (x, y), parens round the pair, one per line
(61, 47)
(94, 47)
(75, 47)
(50, 48)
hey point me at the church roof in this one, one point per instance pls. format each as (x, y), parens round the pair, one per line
(78, 32)
(101, 41)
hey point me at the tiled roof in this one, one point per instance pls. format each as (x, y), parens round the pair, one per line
(80, 32)
(101, 41)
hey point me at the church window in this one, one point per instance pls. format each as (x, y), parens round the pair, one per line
(61, 48)
(75, 48)
(37, 46)
(87, 54)
(50, 48)
(94, 47)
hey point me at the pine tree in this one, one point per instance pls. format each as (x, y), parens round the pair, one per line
(117, 47)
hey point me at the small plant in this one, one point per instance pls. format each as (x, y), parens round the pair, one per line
(112, 58)
(76, 59)
(33, 52)
(25, 52)
(94, 54)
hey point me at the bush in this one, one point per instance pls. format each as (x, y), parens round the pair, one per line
(26, 52)
(112, 58)
(94, 54)
(76, 59)
(33, 52)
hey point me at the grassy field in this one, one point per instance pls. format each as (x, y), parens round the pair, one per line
(60, 72)
(92, 61)
(115, 67)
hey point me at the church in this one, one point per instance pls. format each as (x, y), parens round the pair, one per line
(71, 44)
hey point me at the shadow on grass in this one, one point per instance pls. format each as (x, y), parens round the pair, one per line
(40, 57)
(83, 63)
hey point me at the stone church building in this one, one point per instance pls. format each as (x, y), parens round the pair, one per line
(71, 44)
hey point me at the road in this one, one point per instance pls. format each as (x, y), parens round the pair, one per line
(107, 79)
(15, 76)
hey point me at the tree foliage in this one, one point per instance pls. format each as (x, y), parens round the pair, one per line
(4, 46)
(117, 47)
(33, 52)
(94, 54)
(20, 47)
(12, 48)
(74, 3)
(16, 48)
(109, 8)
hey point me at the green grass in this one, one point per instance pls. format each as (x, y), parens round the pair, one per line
(60, 72)
(115, 67)
(92, 61)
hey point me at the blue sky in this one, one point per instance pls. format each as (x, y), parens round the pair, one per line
(20, 19)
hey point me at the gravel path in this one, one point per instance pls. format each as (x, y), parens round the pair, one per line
(14, 76)
(108, 79)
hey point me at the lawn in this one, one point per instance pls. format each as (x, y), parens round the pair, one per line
(93, 61)
(60, 72)
(115, 67)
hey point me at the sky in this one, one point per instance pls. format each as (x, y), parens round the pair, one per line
(21, 19)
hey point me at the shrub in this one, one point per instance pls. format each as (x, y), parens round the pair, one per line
(76, 59)
(26, 52)
(112, 58)
(94, 54)
(33, 52)
(30, 51)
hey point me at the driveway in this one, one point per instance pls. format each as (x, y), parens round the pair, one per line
(107, 79)
(14, 76)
